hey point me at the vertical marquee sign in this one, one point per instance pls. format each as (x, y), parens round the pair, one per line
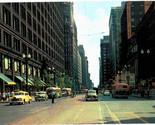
(129, 32)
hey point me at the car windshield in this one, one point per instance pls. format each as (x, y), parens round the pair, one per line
(92, 92)
(19, 93)
(41, 93)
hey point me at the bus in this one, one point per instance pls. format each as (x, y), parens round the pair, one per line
(57, 91)
(120, 90)
(67, 91)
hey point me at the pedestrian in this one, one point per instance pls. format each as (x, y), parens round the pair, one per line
(53, 96)
(4, 96)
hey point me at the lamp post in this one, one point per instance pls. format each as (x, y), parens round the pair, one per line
(53, 73)
(146, 53)
(26, 57)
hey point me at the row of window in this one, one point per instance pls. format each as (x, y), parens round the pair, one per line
(17, 65)
(32, 37)
(16, 45)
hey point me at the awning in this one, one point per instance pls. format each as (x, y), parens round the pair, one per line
(23, 79)
(6, 79)
(43, 83)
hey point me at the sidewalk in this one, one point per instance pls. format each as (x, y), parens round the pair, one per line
(139, 96)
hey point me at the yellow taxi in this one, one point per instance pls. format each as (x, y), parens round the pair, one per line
(20, 97)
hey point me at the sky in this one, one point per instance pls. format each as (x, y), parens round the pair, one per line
(92, 21)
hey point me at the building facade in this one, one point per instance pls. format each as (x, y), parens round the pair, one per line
(132, 15)
(115, 38)
(105, 61)
(35, 29)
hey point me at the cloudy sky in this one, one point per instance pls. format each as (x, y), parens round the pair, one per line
(92, 19)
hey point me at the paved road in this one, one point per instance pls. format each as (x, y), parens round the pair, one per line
(78, 111)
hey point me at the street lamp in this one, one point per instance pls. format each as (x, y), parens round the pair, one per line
(53, 73)
(26, 57)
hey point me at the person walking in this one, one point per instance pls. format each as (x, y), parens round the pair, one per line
(53, 96)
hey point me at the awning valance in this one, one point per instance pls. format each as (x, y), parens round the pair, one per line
(6, 79)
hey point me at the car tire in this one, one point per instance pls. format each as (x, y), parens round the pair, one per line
(86, 99)
(10, 103)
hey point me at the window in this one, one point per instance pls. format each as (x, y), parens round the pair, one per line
(38, 72)
(7, 39)
(42, 33)
(23, 30)
(42, 20)
(6, 16)
(132, 20)
(0, 36)
(15, 24)
(35, 55)
(24, 49)
(29, 35)
(29, 6)
(38, 15)
(34, 25)
(23, 12)
(23, 68)
(39, 57)
(140, 12)
(39, 43)
(34, 39)
(16, 66)
(39, 29)
(7, 63)
(29, 19)
(34, 71)
(43, 46)
(29, 70)
(16, 44)
(34, 10)
(15, 6)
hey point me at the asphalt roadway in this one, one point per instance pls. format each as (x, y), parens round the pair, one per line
(78, 111)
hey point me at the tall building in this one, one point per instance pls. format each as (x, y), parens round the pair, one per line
(84, 66)
(115, 38)
(79, 71)
(35, 29)
(132, 14)
(71, 47)
(105, 61)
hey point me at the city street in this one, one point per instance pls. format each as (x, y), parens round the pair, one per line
(78, 111)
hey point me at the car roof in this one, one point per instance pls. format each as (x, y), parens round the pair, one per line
(21, 92)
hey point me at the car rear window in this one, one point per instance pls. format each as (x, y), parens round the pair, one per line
(19, 93)
(91, 92)
(122, 86)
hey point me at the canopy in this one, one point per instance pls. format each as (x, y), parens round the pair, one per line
(6, 79)
(24, 80)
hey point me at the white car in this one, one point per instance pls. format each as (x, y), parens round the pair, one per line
(106, 92)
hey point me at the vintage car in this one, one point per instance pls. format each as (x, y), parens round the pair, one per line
(41, 96)
(91, 95)
(106, 92)
(20, 97)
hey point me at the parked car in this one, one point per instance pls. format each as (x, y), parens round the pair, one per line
(41, 96)
(91, 95)
(106, 92)
(20, 97)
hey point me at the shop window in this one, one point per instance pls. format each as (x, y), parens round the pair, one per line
(7, 63)
(16, 66)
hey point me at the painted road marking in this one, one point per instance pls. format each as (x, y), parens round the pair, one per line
(100, 113)
(133, 115)
(139, 118)
(112, 114)
(75, 118)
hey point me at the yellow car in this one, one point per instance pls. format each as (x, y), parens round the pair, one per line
(20, 97)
